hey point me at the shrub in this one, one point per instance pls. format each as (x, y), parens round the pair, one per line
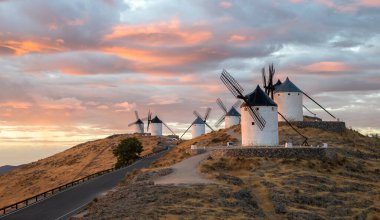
(127, 151)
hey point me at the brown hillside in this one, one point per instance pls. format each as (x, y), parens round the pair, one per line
(64, 167)
(346, 187)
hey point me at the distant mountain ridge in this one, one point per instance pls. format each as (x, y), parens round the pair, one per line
(7, 168)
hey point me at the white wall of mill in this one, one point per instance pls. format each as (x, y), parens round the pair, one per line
(252, 135)
(231, 121)
(197, 130)
(137, 128)
(155, 129)
(289, 105)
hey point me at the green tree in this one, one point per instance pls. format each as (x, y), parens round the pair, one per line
(127, 151)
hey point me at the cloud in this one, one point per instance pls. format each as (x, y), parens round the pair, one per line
(90, 63)
(124, 106)
(328, 66)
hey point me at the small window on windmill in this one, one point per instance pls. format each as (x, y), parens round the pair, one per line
(288, 93)
(253, 123)
(298, 93)
(272, 109)
(257, 109)
(278, 94)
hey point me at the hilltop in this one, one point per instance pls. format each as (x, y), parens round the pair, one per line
(71, 164)
(346, 186)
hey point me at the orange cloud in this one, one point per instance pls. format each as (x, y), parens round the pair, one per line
(328, 67)
(25, 47)
(16, 105)
(159, 33)
(148, 56)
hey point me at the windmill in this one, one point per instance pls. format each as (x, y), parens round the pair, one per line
(155, 125)
(288, 97)
(293, 100)
(198, 125)
(138, 124)
(259, 125)
(230, 117)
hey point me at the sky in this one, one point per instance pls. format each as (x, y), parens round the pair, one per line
(72, 71)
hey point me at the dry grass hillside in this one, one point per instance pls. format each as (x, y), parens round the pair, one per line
(64, 167)
(344, 187)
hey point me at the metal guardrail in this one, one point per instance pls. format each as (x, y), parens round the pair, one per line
(31, 200)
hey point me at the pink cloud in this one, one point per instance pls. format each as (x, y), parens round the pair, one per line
(225, 4)
(160, 33)
(328, 66)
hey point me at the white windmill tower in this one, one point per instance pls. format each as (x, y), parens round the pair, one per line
(155, 125)
(259, 124)
(198, 127)
(289, 100)
(138, 125)
(252, 134)
(230, 117)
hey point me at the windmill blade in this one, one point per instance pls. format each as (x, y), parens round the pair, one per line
(264, 80)
(319, 105)
(149, 120)
(236, 104)
(207, 113)
(186, 130)
(168, 128)
(219, 122)
(259, 120)
(270, 83)
(221, 105)
(197, 114)
(130, 124)
(209, 126)
(231, 84)
(137, 115)
(237, 91)
(310, 111)
(305, 143)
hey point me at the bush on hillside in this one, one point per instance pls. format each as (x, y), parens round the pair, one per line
(127, 151)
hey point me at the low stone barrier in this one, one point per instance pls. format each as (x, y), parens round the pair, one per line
(275, 152)
(334, 126)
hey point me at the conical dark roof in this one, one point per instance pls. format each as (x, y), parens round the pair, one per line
(278, 83)
(259, 98)
(139, 121)
(233, 112)
(156, 120)
(198, 121)
(287, 86)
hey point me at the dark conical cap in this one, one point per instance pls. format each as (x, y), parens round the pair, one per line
(287, 86)
(233, 112)
(259, 98)
(156, 120)
(198, 121)
(278, 83)
(139, 121)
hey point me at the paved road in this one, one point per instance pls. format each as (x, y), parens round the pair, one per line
(63, 205)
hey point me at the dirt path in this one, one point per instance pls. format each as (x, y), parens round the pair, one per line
(186, 172)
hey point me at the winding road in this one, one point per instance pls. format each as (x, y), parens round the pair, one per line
(65, 204)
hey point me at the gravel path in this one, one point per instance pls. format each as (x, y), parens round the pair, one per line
(186, 172)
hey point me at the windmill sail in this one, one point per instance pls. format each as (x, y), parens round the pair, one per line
(237, 91)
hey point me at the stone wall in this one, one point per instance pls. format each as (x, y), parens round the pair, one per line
(275, 152)
(334, 126)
